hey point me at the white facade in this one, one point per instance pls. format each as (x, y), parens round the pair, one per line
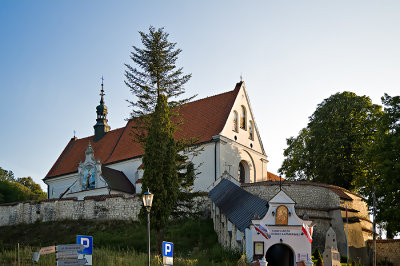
(285, 230)
(237, 148)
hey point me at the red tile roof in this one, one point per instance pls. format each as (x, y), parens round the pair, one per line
(203, 118)
(273, 177)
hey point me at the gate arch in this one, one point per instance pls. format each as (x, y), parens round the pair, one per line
(280, 255)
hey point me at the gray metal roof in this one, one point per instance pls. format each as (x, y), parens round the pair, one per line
(237, 204)
(117, 180)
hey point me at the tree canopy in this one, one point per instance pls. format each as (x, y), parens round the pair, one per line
(331, 148)
(385, 173)
(18, 189)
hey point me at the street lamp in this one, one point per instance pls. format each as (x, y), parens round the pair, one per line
(147, 200)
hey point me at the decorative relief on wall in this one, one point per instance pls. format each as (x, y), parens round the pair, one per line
(89, 171)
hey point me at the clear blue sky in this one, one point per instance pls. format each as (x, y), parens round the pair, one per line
(292, 55)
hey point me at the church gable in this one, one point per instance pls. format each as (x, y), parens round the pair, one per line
(240, 125)
(89, 175)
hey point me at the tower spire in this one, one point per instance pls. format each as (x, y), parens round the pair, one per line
(102, 91)
(101, 127)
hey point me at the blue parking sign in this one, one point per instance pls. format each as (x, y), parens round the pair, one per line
(87, 242)
(168, 249)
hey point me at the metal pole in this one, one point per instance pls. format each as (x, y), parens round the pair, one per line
(18, 253)
(148, 237)
(347, 238)
(374, 229)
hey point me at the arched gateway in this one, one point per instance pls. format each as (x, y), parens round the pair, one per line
(279, 255)
(263, 229)
(281, 235)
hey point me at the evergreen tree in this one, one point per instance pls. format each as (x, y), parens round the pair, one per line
(160, 168)
(156, 84)
(155, 73)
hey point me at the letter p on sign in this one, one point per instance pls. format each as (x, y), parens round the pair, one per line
(168, 249)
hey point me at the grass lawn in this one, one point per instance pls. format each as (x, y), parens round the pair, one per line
(116, 242)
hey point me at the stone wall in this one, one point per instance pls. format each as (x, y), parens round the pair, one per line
(325, 205)
(228, 234)
(106, 207)
(387, 250)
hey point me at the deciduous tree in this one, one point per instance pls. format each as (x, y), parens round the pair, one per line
(18, 189)
(384, 176)
(330, 149)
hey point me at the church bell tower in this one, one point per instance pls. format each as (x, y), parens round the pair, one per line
(101, 127)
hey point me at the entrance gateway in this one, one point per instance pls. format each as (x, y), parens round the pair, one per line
(279, 255)
(281, 236)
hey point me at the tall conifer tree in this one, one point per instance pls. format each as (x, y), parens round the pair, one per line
(160, 169)
(156, 84)
(155, 73)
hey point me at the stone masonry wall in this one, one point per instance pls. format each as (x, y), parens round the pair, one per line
(387, 250)
(325, 206)
(106, 207)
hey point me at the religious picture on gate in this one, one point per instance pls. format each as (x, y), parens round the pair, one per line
(88, 180)
(281, 215)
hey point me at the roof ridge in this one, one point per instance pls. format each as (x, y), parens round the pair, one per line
(219, 94)
(237, 87)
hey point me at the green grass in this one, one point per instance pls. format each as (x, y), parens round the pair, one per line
(104, 257)
(116, 242)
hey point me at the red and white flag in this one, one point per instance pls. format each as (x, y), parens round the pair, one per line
(308, 231)
(263, 230)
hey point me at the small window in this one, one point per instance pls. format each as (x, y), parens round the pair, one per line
(243, 118)
(235, 121)
(251, 130)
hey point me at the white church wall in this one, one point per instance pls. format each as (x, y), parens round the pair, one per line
(206, 160)
(241, 146)
(242, 135)
(57, 185)
(129, 168)
(232, 153)
(206, 169)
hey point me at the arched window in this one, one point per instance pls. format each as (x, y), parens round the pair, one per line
(235, 121)
(251, 130)
(242, 173)
(281, 216)
(243, 118)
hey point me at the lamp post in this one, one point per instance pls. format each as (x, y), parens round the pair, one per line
(147, 200)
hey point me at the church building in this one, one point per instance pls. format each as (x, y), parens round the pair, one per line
(110, 162)
(250, 213)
